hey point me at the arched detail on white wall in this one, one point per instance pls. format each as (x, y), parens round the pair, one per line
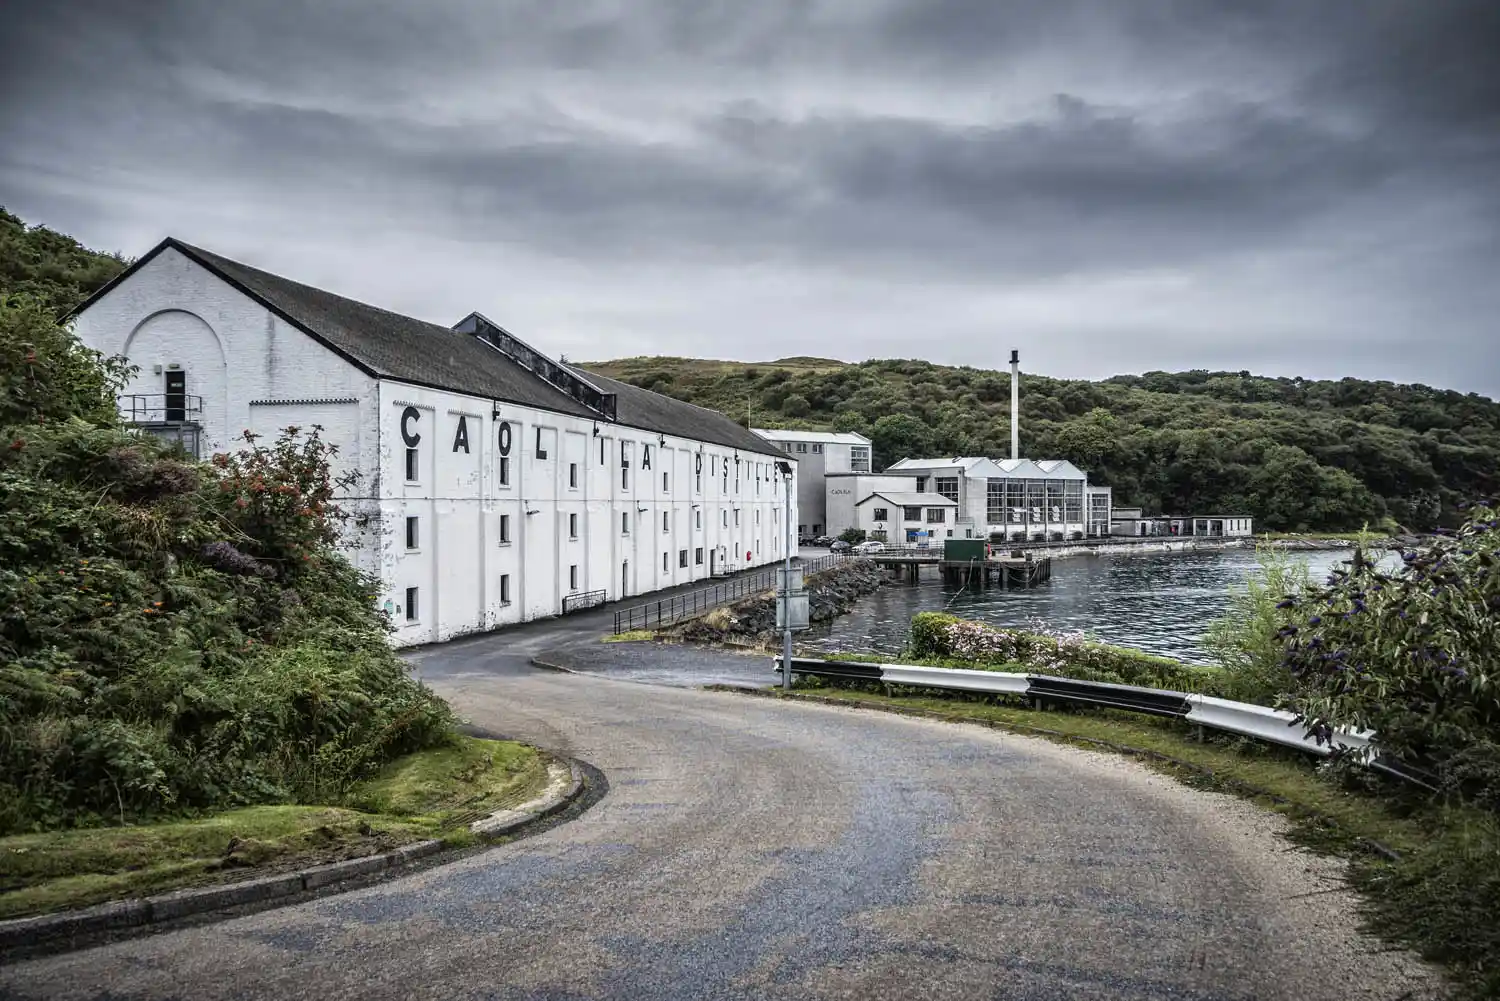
(182, 338)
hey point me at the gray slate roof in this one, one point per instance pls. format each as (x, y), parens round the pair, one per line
(392, 346)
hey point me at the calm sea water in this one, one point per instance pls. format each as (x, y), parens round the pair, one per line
(1159, 602)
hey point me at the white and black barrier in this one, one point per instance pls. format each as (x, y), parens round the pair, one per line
(1277, 726)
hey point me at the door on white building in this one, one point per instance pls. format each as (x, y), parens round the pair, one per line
(624, 578)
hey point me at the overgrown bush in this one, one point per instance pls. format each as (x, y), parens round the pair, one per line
(941, 637)
(1247, 640)
(177, 635)
(1413, 654)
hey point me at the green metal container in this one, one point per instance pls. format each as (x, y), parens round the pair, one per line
(964, 550)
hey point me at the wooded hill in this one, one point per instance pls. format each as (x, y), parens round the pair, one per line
(1297, 454)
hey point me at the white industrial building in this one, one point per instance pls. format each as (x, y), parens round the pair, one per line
(495, 485)
(1017, 499)
(819, 454)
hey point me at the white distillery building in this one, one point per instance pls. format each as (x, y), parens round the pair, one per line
(820, 454)
(495, 485)
(1015, 498)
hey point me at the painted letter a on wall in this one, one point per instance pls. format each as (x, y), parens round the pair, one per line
(461, 436)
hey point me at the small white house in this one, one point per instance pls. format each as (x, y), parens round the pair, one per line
(494, 484)
(896, 517)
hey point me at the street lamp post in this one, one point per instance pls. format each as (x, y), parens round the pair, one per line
(785, 468)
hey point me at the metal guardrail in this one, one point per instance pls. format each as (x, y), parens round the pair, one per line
(1277, 726)
(587, 599)
(666, 611)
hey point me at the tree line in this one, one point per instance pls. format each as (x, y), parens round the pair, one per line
(1296, 454)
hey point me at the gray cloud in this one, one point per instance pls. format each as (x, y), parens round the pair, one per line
(1288, 187)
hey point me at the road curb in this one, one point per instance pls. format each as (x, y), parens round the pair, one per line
(548, 665)
(69, 929)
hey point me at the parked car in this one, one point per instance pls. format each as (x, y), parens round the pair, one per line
(823, 540)
(869, 547)
(839, 546)
(807, 542)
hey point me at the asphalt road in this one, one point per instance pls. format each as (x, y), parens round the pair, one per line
(751, 849)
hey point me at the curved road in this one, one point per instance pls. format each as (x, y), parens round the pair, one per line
(750, 849)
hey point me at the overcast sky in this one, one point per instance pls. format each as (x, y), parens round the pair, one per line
(1115, 186)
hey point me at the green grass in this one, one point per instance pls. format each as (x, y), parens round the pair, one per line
(1440, 898)
(633, 636)
(418, 797)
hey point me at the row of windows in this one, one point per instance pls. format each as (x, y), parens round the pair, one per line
(413, 534)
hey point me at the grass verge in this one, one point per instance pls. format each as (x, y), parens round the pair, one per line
(1428, 876)
(430, 794)
(632, 636)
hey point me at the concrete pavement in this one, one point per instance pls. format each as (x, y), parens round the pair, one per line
(752, 849)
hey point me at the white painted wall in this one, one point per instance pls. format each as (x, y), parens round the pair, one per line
(257, 372)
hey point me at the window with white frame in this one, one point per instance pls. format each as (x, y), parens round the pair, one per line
(412, 536)
(573, 577)
(505, 529)
(572, 526)
(505, 589)
(411, 604)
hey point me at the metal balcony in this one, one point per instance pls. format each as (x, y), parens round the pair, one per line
(174, 417)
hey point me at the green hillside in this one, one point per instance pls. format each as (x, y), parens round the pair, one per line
(1299, 455)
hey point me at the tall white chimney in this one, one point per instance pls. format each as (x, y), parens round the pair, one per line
(1015, 404)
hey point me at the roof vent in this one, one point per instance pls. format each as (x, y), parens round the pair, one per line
(558, 376)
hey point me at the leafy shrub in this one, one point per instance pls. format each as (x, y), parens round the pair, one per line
(1413, 654)
(176, 635)
(1247, 640)
(939, 637)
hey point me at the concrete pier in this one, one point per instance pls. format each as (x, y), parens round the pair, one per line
(1005, 572)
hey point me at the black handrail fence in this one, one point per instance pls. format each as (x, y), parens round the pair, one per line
(666, 611)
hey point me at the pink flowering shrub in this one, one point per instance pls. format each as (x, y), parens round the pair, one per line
(955, 642)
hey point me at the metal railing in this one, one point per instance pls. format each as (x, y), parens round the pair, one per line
(585, 599)
(677, 608)
(1275, 726)
(160, 408)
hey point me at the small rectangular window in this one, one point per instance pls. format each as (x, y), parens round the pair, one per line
(664, 481)
(725, 516)
(411, 604)
(504, 529)
(698, 556)
(411, 532)
(573, 475)
(882, 514)
(736, 518)
(573, 526)
(664, 564)
(666, 521)
(757, 516)
(801, 446)
(573, 577)
(411, 465)
(625, 524)
(541, 451)
(682, 558)
(505, 589)
(505, 470)
(817, 449)
(624, 477)
(698, 519)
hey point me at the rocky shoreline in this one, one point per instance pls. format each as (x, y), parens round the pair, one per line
(1312, 543)
(752, 622)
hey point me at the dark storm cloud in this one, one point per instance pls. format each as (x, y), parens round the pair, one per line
(1308, 187)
